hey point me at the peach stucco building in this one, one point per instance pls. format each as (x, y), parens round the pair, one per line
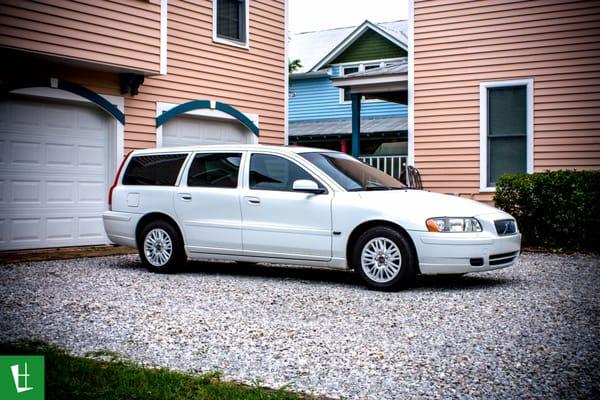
(82, 82)
(502, 86)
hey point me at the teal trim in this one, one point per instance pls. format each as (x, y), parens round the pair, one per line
(181, 109)
(67, 86)
(226, 108)
(205, 104)
(356, 98)
(93, 97)
(6, 87)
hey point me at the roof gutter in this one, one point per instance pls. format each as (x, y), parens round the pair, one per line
(309, 75)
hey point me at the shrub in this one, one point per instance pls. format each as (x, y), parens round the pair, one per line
(554, 209)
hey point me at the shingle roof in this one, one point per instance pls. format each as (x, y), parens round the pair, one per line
(344, 126)
(311, 47)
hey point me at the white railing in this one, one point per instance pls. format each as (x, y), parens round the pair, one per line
(391, 165)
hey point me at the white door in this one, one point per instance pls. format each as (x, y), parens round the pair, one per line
(278, 222)
(207, 203)
(53, 174)
(192, 131)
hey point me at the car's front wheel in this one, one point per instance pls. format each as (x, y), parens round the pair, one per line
(384, 258)
(161, 248)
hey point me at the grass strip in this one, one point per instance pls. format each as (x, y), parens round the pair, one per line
(69, 377)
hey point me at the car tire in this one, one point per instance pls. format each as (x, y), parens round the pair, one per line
(161, 247)
(384, 259)
(246, 264)
(453, 277)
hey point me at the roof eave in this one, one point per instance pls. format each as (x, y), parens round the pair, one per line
(344, 44)
(309, 75)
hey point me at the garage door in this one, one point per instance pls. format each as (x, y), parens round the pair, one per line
(53, 174)
(190, 131)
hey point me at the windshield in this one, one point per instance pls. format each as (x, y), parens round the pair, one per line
(352, 174)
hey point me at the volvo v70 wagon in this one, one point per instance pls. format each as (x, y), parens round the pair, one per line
(298, 205)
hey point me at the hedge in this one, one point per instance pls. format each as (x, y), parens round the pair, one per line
(554, 209)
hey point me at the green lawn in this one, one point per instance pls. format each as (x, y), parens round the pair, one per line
(69, 377)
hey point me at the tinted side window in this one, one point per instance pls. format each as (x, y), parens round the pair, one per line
(269, 172)
(215, 170)
(156, 170)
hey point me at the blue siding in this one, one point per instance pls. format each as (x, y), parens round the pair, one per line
(317, 99)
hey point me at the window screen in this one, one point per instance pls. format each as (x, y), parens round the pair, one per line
(269, 172)
(215, 170)
(231, 19)
(155, 170)
(347, 94)
(507, 131)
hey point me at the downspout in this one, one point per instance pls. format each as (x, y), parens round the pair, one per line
(411, 83)
(356, 97)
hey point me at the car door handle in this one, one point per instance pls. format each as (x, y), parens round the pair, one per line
(253, 200)
(185, 196)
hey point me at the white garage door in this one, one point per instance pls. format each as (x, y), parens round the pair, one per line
(53, 174)
(190, 131)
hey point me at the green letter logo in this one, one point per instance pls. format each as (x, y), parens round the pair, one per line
(22, 377)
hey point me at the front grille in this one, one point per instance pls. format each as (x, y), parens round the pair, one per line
(504, 258)
(505, 227)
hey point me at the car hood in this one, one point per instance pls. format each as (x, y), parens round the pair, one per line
(418, 205)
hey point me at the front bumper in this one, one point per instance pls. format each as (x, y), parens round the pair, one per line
(450, 253)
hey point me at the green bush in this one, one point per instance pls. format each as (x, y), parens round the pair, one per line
(554, 209)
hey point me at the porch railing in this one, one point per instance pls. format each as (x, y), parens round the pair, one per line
(391, 165)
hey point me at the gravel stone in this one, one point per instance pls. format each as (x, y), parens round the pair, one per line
(529, 331)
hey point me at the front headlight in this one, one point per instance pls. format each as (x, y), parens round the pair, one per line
(453, 224)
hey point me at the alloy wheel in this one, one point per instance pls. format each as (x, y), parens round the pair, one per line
(381, 260)
(158, 247)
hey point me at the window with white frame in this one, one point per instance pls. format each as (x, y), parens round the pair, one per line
(351, 69)
(506, 130)
(346, 91)
(230, 22)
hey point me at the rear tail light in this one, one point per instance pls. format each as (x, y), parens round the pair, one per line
(116, 181)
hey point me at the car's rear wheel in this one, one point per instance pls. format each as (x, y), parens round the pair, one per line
(161, 248)
(384, 258)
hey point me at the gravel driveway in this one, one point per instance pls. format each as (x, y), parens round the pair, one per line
(528, 331)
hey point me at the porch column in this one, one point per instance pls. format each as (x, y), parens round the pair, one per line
(355, 123)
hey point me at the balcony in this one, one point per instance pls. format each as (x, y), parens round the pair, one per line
(392, 165)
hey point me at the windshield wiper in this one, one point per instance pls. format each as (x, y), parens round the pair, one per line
(368, 188)
(374, 188)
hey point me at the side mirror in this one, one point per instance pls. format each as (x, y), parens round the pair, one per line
(307, 186)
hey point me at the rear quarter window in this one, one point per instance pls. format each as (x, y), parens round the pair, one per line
(154, 170)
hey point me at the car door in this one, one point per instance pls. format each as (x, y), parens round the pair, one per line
(278, 221)
(208, 203)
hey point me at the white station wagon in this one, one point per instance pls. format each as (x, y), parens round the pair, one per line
(298, 205)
